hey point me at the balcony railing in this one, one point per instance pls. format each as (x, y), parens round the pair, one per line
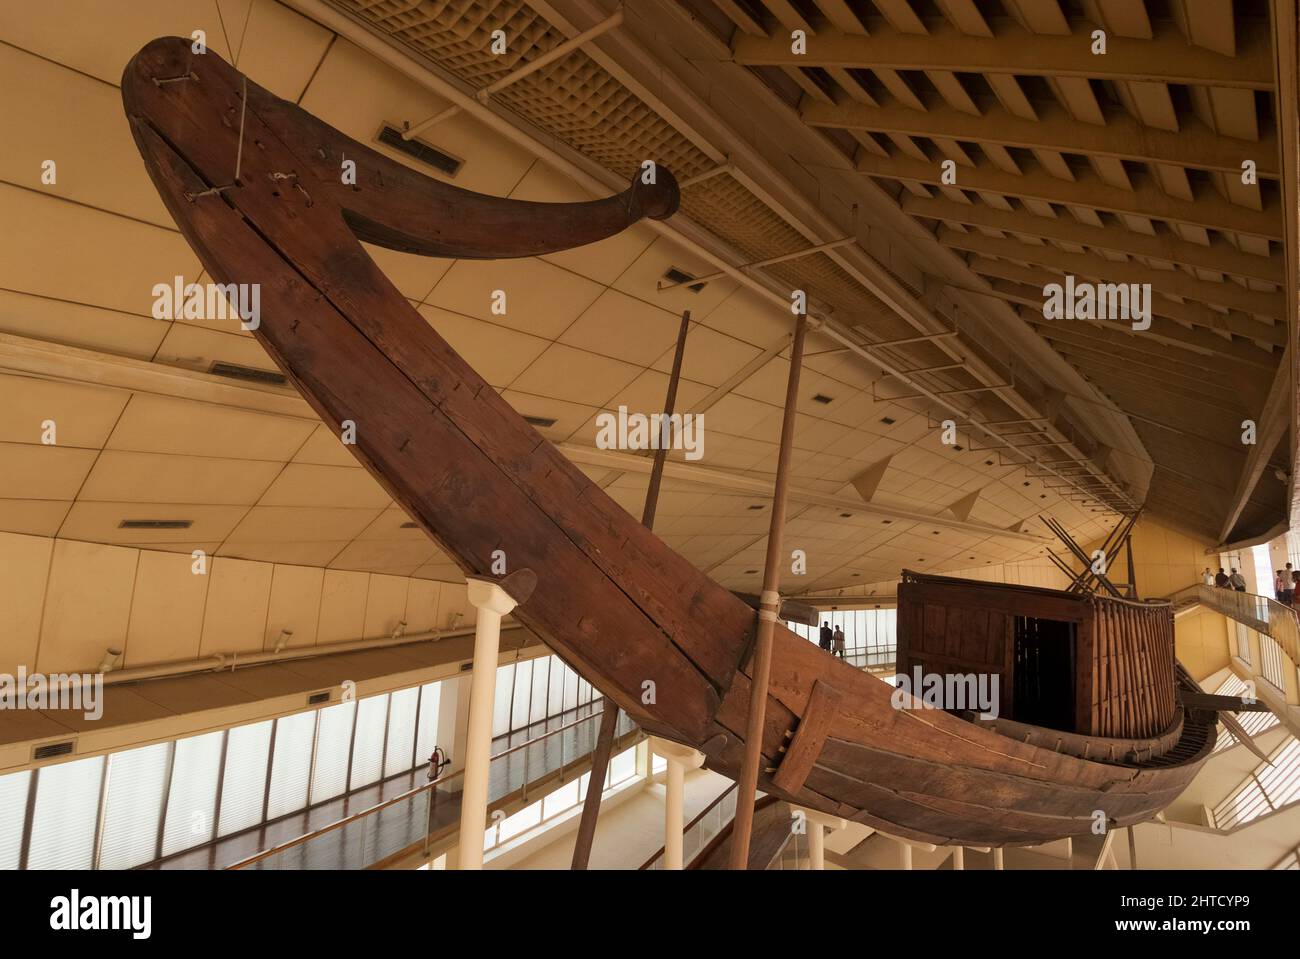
(420, 816)
(1262, 614)
(701, 830)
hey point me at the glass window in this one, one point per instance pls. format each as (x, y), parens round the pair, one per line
(291, 764)
(333, 745)
(67, 809)
(243, 787)
(501, 701)
(537, 702)
(430, 702)
(522, 821)
(570, 689)
(623, 766)
(368, 743)
(566, 797)
(399, 755)
(196, 767)
(13, 814)
(133, 806)
(523, 694)
(555, 688)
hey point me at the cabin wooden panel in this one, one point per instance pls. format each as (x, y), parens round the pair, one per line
(1123, 667)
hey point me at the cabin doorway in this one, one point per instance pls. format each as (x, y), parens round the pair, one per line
(1043, 673)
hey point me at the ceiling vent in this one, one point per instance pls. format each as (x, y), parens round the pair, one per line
(315, 699)
(250, 374)
(418, 150)
(676, 277)
(467, 666)
(410, 525)
(542, 421)
(52, 750)
(887, 420)
(822, 398)
(155, 524)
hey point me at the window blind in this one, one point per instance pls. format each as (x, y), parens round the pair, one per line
(133, 805)
(243, 788)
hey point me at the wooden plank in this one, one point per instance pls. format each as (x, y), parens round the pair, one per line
(809, 737)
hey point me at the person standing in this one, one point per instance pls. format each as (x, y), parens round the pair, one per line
(1279, 586)
(1288, 585)
(1208, 577)
(826, 637)
(1221, 579)
(1237, 580)
(838, 640)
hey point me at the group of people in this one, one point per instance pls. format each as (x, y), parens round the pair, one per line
(1285, 582)
(1224, 580)
(832, 640)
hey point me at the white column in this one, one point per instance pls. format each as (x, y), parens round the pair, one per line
(904, 856)
(817, 823)
(959, 858)
(492, 602)
(997, 858)
(680, 758)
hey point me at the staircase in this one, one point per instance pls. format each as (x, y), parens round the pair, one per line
(1260, 613)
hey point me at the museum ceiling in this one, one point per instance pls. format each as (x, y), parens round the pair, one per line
(175, 419)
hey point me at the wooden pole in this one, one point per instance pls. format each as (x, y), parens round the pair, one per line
(768, 607)
(609, 715)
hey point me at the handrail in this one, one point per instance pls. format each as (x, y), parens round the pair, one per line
(401, 797)
(692, 824)
(1261, 613)
(762, 803)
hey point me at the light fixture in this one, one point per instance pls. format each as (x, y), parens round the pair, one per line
(399, 630)
(456, 619)
(283, 639)
(111, 657)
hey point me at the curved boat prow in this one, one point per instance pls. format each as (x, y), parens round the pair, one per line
(653, 633)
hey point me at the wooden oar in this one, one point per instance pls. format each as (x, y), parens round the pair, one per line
(609, 716)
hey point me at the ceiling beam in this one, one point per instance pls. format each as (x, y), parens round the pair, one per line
(1165, 58)
(1219, 256)
(1273, 424)
(1090, 362)
(1025, 286)
(1165, 313)
(1122, 137)
(1142, 364)
(1169, 282)
(1144, 352)
(1086, 190)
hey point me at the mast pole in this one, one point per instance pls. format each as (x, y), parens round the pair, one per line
(609, 715)
(768, 607)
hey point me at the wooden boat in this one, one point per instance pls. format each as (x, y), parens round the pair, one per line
(653, 633)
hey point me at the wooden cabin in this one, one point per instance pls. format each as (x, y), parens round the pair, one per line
(1076, 662)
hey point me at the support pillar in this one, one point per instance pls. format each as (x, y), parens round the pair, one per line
(817, 823)
(680, 758)
(997, 858)
(492, 602)
(959, 858)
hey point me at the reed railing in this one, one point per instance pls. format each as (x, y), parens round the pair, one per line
(1261, 613)
(415, 816)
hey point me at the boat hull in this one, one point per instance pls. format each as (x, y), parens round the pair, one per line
(654, 634)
